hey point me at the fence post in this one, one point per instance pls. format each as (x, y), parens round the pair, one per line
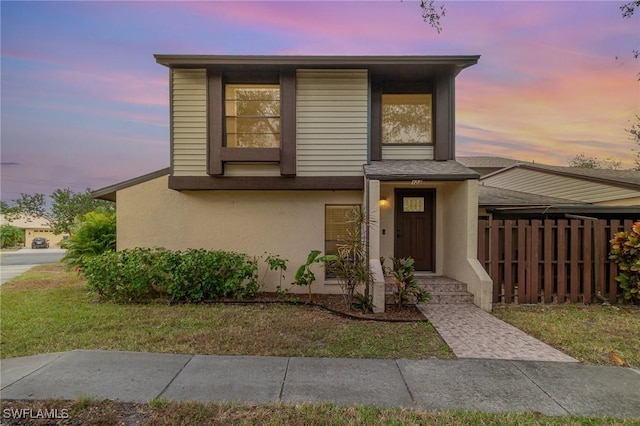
(495, 259)
(523, 267)
(613, 268)
(600, 284)
(549, 282)
(574, 267)
(534, 285)
(508, 261)
(587, 261)
(562, 256)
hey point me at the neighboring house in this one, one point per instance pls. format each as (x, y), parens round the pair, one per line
(270, 153)
(33, 227)
(486, 164)
(545, 230)
(512, 189)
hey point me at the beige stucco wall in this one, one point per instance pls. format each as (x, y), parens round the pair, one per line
(284, 223)
(460, 208)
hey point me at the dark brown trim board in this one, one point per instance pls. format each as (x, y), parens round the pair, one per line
(250, 155)
(444, 113)
(215, 114)
(273, 183)
(288, 122)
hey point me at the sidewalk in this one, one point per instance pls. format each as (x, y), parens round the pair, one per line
(553, 388)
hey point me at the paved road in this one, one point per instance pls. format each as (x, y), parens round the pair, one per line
(15, 263)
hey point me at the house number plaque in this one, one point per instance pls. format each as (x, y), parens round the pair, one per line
(413, 204)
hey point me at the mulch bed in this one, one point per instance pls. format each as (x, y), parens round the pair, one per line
(335, 303)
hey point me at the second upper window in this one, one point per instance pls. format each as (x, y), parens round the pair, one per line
(252, 115)
(407, 119)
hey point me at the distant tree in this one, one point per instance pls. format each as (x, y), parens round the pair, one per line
(634, 135)
(431, 14)
(4, 208)
(11, 236)
(629, 8)
(66, 206)
(95, 234)
(583, 161)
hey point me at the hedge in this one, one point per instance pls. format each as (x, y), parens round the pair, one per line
(194, 275)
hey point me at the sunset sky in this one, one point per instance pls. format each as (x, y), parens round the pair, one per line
(85, 105)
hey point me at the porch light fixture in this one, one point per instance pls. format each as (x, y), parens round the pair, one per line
(384, 202)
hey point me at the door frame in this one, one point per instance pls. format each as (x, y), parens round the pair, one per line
(430, 208)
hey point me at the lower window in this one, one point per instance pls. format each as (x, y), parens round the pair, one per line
(338, 225)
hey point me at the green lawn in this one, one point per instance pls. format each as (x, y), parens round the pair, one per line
(159, 413)
(591, 334)
(49, 310)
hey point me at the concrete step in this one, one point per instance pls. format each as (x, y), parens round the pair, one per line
(443, 290)
(451, 298)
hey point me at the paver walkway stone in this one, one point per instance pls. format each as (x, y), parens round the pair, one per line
(473, 333)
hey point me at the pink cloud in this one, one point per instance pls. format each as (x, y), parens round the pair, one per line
(119, 86)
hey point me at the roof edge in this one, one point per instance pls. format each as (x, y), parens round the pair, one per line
(108, 193)
(170, 60)
(534, 167)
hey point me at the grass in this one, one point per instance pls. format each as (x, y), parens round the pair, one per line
(161, 412)
(591, 334)
(48, 310)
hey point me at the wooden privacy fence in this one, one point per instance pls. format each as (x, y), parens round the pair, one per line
(553, 260)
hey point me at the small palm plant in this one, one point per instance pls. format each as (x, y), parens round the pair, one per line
(304, 274)
(403, 273)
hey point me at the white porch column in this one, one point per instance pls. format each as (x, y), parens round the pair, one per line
(373, 202)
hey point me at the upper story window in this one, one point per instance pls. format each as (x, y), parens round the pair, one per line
(252, 115)
(407, 118)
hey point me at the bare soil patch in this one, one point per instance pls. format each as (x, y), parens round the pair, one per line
(335, 303)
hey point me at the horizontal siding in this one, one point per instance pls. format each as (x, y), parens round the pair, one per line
(407, 152)
(240, 169)
(331, 122)
(189, 122)
(559, 186)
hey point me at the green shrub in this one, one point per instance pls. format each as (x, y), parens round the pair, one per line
(95, 234)
(625, 252)
(10, 236)
(194, 275)
(403, 272)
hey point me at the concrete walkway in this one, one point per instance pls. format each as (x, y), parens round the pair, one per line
(9, 272)
(553, 388)
(473, 333)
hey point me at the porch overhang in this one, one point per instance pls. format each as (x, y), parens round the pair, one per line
(418, 170)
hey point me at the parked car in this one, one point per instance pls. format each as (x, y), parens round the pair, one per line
(39, 243)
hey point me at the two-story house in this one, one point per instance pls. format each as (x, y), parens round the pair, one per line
(268, 153)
